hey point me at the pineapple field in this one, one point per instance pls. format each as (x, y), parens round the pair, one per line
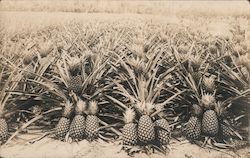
(112, 84)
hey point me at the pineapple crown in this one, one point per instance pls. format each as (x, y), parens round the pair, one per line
(208, 100)
(93, 107)
(137, 64)
(129, 115)
(243, 60)
(182, 49)
(195, 60)
(209, 80)
(138, 51)
(145, 108)
(196, 110)
(219, 108)
(74, 62)
(68, 106)
(80, 106)
(45, 48)
(209, 83)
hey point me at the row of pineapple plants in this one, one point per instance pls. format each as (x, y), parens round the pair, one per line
(217, 84)
(135, 80)
(140, 83)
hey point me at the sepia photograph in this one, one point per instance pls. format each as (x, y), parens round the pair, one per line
(124, 78)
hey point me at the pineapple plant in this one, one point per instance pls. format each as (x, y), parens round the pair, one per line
(193, 127)
(63, 125)
(146, 128)
(9, 83)
(129, 131)
(92, 121)
(224, 129)
(77, 127)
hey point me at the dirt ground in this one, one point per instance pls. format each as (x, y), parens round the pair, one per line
(50, 148)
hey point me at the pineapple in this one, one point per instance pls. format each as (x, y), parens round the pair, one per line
(210, 123)
(75, 84)
(193, 128)
(209, 84)
(3, 129)
(146, 131)
(77, 127)
(29, 70)
(163, 131)
(63, 125)
(196, 76)
(130, 134)
(92, 121)
(225, 131)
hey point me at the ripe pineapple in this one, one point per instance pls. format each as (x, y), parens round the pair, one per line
(225, 131)
(163, 131)
(92, 121)
(77, 127)
(193, 128)
(129, 132)
(210, 123)
(146, 131)
(64, 123)
(209, 84)
(3, 129)
(75, 84)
